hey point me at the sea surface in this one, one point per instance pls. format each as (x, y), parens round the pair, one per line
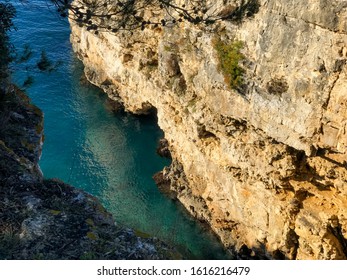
(110, 155)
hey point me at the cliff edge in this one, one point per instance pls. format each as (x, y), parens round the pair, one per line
(262, 160)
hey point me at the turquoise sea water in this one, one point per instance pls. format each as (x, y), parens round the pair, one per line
(110, 155)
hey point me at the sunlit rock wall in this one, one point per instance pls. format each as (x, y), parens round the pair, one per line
(264, 165)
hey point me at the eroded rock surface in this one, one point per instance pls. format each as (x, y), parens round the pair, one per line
(264, 165)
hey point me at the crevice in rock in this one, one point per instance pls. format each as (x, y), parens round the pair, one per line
(292, 238)
(339, 69)
(203, 133)
(337, 232)
(292, 243)
(278, 255)
(324, 156)
(231, 125)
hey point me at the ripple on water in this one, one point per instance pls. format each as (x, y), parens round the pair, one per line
(112, 156)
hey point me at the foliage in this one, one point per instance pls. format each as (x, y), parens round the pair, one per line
(115, 15)
(26, 54)
(9, 57)
(245, 9)
(229, 56)
(28, 82)
(7, 13)
(44, 64)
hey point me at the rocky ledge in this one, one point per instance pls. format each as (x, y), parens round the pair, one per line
(262, 162)
(48, 219)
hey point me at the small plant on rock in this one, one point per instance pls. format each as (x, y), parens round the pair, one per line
(229, 55)
(277, 86)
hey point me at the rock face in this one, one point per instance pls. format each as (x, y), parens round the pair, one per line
(48, 219)
(264, 165)
(21, 136)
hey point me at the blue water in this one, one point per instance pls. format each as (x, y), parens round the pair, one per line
(110, 155)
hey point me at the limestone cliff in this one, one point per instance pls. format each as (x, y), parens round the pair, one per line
(48, 219)
(263, 165)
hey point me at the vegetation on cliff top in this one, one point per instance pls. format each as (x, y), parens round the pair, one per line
(113, 16)
(7, 13)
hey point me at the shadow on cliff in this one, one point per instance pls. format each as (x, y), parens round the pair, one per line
(257, 253)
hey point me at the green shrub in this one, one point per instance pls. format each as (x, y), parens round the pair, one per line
(7, 13)
(229, 56)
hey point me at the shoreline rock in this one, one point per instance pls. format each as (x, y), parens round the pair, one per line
(163, 148)
(48, 219)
